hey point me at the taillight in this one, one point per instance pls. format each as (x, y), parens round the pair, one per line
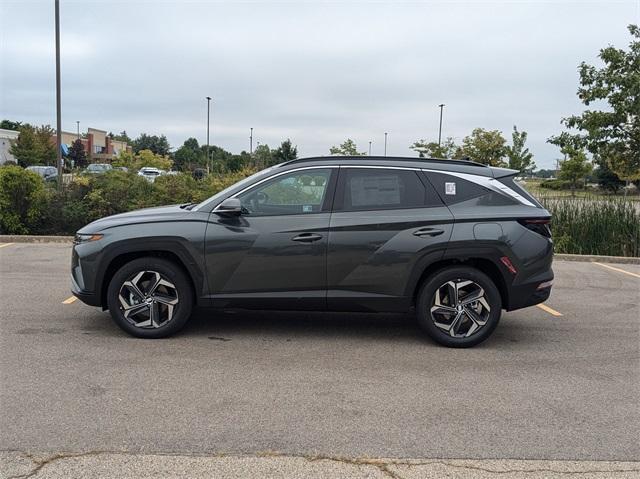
(537, 225)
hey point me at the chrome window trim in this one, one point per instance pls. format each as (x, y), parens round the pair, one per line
(487, 182)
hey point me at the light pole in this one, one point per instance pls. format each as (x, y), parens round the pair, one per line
(78, 126)
(208, 115)
(251, 142)
(441, 105)
(385, 143)
(58, 112)
(369, 148)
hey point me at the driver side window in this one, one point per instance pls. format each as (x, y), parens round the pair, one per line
(299, 192)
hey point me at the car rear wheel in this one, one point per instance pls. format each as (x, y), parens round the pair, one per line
(150, 298)
(459, 307)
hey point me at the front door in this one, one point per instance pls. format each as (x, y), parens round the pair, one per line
(273, 256)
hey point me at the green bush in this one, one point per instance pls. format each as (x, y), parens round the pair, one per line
(602, 226)
(556, 184)
(22, 200)
(117, 192)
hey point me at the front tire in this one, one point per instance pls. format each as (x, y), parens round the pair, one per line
(459, 307)
(150, 298)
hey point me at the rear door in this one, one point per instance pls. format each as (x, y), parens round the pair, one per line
(387, 225)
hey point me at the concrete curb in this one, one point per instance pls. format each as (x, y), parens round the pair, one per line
(35, 239)
(596, 258)
(556, 257)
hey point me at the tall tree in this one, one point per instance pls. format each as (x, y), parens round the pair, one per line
(263, 156)
(575, 167)
(285, 152)
(347, 148)
(122, 136)
(447, 150)
(611, 135)
(77, 154)
(34, 146)
(486, 147)
(157, 144)
(520, 158)
(189, 155)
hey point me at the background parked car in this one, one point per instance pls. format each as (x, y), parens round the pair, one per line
(98, 168)
(48, 173)
(121, 168)
(149, 173)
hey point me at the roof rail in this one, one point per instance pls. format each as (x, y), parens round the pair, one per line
(466, 162)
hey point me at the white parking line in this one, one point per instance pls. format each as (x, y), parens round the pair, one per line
(617, 269)
(2, 245)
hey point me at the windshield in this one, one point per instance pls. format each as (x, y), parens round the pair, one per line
(246, 181)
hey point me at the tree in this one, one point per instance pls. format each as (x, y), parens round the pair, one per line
(10, 125)
(285, 152)
(45, 138)
(447, 150)
(157, 144)
(606, 178)
(34, 146)
(611, 135)
(189, 155)
(77, 154)
(348, 148)
(263, 156)
(122, 137)
(143, 158)
(575, 167)
(519, 157)
(486, 147)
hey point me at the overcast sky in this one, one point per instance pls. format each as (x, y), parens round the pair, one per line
(315, 72)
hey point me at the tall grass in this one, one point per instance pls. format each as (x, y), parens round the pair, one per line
(595, 225)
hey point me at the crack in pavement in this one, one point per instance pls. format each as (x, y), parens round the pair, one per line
(383, 465)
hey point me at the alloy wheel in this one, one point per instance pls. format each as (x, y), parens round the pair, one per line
(148, 300)
(460, 308)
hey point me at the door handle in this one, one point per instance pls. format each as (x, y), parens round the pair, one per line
(427, 232)
(307, 238)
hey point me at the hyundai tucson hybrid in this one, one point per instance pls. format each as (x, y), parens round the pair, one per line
(455, 241)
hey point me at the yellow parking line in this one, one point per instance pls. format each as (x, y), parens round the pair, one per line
(2, 245)
(549, 310)
(617, 269)
(70, 300)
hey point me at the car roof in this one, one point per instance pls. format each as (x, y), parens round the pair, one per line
(461, 166)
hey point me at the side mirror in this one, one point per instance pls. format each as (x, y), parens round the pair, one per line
(229, 207)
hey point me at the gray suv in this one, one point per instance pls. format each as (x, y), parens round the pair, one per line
(455, 241)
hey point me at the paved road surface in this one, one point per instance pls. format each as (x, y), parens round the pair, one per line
(543, 387)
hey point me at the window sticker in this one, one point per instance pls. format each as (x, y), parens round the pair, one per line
(449, 188)
(307, 208)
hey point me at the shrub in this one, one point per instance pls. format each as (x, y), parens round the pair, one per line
(117, 192)
(22, 200)
(556, 184)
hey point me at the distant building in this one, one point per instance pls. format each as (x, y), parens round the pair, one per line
(100, 147)
(6, 138)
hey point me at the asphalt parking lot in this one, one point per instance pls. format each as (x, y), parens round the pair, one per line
(554, 383)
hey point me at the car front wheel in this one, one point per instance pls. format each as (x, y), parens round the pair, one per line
(150, 298)
(459, 307)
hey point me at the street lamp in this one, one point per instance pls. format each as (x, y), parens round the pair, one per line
(208, 115)
(385, 143)
(78, 126)
(369, 148)
(441, 105)
(251, 142)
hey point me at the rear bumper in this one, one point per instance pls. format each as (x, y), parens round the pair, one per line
(529, 294)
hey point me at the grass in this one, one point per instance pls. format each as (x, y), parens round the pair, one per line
(600, 225)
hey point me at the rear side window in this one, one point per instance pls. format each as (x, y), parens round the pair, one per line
(381, 188)
(454, 190)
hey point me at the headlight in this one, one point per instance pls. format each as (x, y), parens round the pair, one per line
(82, 238)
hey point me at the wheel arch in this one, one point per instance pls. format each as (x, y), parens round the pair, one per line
(482, 264)
(121, 258)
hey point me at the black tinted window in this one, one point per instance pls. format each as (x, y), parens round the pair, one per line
(453, 189)
(379, 188)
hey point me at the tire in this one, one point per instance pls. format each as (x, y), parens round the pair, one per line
(444, 315)
(144, 311)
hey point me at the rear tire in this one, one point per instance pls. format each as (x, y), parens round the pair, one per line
(150, 298)
(459, 307)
